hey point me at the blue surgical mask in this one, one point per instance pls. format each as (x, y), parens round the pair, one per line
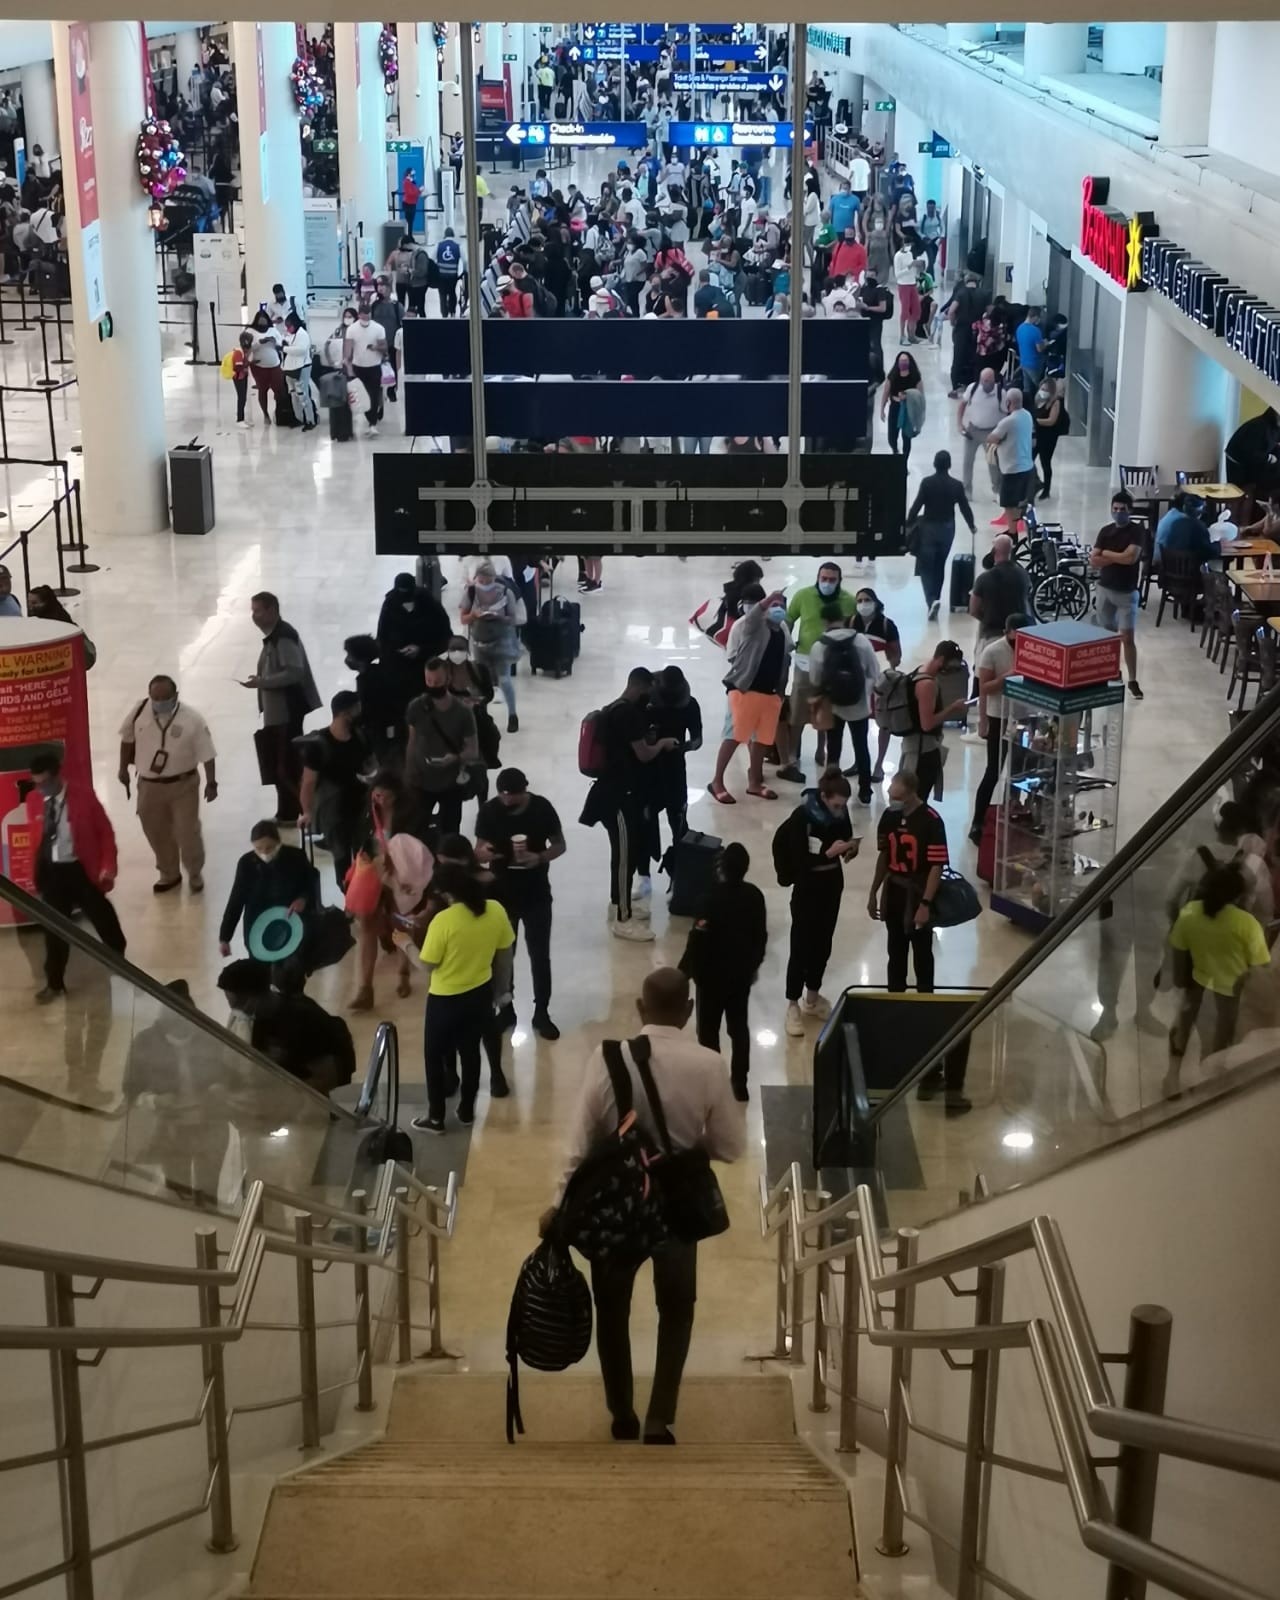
(1120, 516)
(164, 708)
(826, 587)
(777, 613)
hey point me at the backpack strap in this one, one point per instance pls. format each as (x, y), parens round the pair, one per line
(641, 1054)
(1207, 857)
(619, 1079)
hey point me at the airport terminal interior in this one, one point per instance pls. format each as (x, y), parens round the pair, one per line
(555, 569)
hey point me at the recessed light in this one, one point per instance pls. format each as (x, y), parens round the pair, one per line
(1018, 1139)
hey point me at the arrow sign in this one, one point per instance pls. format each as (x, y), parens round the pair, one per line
(729, 82)
(762, 52)
(777, 83)
(516, 133)
(575, 54)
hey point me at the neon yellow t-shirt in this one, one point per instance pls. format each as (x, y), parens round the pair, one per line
(1222, 948)
(460, 946)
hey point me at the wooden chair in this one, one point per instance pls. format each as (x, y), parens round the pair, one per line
(1139, 477)
(1266, 660)
(1177, 575)
(1247, 666)
(1184, 477)
(1218, 605)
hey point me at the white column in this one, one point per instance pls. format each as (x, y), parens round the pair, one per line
(490, 60)
(362, 129)
(186, 57)
(451, 97)
(420, 94)
(1132, 46)
(275, 247)
(959, 33)
(40, 108)
(1172, 401)
(1052, 48)
(119, 379)
(1186, 94)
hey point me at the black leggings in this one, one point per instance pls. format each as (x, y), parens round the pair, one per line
(1046, 444)
(815, 908)
(861, 753)
(986, 787)
(717, 1002)
(897, 413)
(453, 1027)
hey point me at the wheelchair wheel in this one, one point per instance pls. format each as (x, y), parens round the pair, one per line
(1060, 596)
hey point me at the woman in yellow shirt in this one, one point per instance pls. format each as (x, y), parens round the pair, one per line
(1215, 943)
(465, 942)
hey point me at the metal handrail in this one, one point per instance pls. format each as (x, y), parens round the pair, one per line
(389, 1215)
(1070, 1369)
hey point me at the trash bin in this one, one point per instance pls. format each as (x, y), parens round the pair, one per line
(191, 488)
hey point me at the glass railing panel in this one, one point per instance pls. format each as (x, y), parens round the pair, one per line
(122, 1084)
(1111, 1031)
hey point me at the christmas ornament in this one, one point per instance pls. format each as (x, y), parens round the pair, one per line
(161, 163)
(389, 55)
(308, 91)
(440, 33)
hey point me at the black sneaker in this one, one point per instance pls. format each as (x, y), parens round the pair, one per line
(47, 995)
(791, 772)
(664, 1437)
(165, 884)
(957, 1104)
(427, 1124)
(625, 1427)
(499, 1088)
(1135, 689)
(466, 1115)
(544, 1027)
(513, 723)
(740, 1090)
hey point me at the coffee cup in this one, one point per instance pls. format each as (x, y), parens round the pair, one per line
(519, 845)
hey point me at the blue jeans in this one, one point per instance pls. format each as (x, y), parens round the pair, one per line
(931, 557)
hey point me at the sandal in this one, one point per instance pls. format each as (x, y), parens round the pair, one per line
(363, 1000)
(403, 987)
(762, 793)
(720, 794)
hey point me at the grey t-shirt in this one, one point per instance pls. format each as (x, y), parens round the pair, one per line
(439, 728)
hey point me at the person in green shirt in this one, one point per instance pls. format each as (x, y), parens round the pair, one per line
(1215, 942)
(807, 617)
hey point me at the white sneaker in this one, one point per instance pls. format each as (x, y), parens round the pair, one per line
(819, 1006)
(643, 889)
(638, 932)
(373, 430)
(243, 425)
(794, 1024)
(641, 908)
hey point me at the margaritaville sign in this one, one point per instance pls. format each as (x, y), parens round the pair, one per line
(1113, 239)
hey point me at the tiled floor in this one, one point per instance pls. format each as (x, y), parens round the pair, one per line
(294, 516)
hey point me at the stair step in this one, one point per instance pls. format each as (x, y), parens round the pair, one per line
(471, 1407)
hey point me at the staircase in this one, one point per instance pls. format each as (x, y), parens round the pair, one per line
(442, 1506)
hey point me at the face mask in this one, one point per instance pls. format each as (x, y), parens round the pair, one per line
(266, 852)
(893, 805)
(777, 613)
(1120, 516)
(406, 605)
(438, 694)
(866, 609)
(164, 708)
(826, 587)
(458, 657)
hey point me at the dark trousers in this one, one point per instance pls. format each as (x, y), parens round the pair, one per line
(452, 1029)
(241, 387)
(371, 378)
(675, 1288)
(410, 210)
(936, 539)
(418, 299)
(964, 358)
(651, 841)
(986, 787)
(927, 766)
(861, 753)
(280, 757)
(535, 917)
(65, 886)
(448, 296)
(904, 937)
(815, 906)
(717, 1001)
(624, 823)
(1046, 444)
(897, 416)
(438, 812)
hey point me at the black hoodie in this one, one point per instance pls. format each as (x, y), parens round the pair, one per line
(426, 626)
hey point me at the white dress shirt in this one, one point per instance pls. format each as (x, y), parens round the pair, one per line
(696, 1096)
(184, 737)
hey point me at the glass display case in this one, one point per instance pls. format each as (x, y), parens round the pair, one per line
(1057, 826)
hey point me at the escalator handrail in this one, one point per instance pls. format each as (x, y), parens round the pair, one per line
(38, 912)
(1259, 726)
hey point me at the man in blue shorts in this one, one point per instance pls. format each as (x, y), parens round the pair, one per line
(1117, 559)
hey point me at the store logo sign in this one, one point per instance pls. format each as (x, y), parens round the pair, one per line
(1112, 240)
(1249, 325)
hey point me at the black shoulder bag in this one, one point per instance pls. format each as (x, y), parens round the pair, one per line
(690, 1191)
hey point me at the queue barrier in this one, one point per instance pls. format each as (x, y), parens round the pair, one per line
(65, 512)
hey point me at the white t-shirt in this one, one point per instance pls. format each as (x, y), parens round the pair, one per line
(368, 343)
(983, 410)
(904, 267)
(859, 175)
(996, 657)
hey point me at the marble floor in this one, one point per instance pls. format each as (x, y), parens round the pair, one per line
(294, 516)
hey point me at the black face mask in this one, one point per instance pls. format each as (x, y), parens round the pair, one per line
(438, 694)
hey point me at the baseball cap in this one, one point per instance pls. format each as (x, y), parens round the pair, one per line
(512, 781)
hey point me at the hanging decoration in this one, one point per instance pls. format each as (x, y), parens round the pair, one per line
(389, 56)
(475, 33)
(161, 164)
(308, 91)
(440, 33)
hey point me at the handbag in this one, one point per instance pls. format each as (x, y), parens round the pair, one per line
(363, 887)
(956, 901)
(387, 377)
(326, 937)
(692, 1201)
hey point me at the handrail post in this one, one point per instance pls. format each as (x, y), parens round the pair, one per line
(895, 1465)
(75, 1480)
(221, 1534)
(404, 1332)
(968, 1585)
(797, 1309)
(818, 1392)
(310, 1385)
(436, 1348)
(1150, 1330)
(849, 1321)
(364, 1340)
(780, 1299)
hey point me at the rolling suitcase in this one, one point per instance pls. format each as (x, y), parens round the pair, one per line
(690, 863)
(961, 582)
(341, 427)
(553, 638)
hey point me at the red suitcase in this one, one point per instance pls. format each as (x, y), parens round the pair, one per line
(987, 849)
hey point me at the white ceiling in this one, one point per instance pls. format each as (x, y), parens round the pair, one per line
(21, 43)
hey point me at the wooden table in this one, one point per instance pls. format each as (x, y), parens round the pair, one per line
(1274, 624)
(1160, 494)
(1259, 589)
(1243, 550)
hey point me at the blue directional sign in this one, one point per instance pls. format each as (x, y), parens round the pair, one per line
(726, 52)
(730, 82)
(577, 135)
(758, 135)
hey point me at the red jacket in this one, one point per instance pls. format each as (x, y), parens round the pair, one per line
(92, 837)
(848, 260)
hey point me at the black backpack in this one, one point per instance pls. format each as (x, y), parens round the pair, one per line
(611, 1210)
(549, 1324)
(842, 680)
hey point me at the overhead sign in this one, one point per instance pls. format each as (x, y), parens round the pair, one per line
(833, 40)
(1208, 298)
(324, 147)
(886, 105)
(730, 82)
(1111, 239)
(726, 52)
(577, 135)
(758, 135)
(937, 146)
(397, 147)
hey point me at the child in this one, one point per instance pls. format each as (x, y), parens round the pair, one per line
(240, 376)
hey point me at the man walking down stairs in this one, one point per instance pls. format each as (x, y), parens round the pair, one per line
(443, 1507)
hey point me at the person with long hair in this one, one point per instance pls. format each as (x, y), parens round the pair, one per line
(903, 378)
(464, 943)
(298, 355)
(933, 518)
(1216, 943)
(264, 360)
(403, 865)
(809, 850)
(1049, 413)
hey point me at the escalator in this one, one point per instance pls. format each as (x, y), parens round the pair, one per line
(1071, 1050)
(126, 1084)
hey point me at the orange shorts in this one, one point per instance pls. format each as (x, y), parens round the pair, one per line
(755, 716)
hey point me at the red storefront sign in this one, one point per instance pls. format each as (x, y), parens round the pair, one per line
(42, 703)
(1067, 655)
(82, 121)
(1112, 240)
(262, 80)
